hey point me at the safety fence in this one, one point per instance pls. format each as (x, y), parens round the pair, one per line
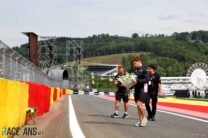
(17, 97)
(13, 66)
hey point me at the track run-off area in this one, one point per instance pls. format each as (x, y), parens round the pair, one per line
(88, 116)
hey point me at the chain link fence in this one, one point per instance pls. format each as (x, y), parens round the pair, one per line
(13, 66)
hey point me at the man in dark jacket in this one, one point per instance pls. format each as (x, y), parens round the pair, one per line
(120, 94)
(154, 87)
(140, 90)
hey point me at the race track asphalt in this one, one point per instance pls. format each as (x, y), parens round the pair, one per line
(93, 115)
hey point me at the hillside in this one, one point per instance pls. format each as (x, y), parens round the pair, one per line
(172, 54)
(109, 59)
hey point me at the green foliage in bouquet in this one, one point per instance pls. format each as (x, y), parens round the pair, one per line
(126, 80)
(31, 113)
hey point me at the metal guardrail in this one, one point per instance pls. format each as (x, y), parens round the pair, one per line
(15, 67)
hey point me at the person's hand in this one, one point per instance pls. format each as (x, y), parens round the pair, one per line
(134, 82)
(115, 82)
(160, 93)
(124, 86)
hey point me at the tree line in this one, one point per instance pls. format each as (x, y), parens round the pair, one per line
(172, 54)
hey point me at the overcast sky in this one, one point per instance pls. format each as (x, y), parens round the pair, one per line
(81, 18)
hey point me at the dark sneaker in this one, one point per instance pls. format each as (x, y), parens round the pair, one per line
(149, 117)
(153, 118)
(125, 116)
(114, 115)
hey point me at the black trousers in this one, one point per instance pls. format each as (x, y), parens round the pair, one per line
(151, 112)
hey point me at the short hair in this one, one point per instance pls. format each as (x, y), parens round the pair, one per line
(137, 58)
(152, 66)
(120, 67)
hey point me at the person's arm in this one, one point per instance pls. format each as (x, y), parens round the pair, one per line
(116, 82)
(143, 80)
(160, 93)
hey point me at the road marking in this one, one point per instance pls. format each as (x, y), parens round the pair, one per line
(176, 114)
(185, 116)
(74, 125)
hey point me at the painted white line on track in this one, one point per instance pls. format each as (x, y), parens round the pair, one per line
(167, 112)
(185, 116)
(73, 123)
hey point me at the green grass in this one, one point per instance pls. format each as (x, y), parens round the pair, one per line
(108, 59)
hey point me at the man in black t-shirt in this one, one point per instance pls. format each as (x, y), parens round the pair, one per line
(120, 94)
(154, 87)
(141, 92)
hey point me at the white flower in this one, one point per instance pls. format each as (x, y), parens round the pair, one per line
(126, 79)
(31, 110)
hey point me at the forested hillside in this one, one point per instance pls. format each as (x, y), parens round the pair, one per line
(172, 54)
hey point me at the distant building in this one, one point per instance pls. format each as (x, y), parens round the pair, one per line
(105, 71)
(60, 75)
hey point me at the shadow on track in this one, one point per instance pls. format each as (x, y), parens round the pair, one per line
(108, 116)
(107, 123)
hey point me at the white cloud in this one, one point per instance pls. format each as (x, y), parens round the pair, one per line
(168, 17)
(86, 17)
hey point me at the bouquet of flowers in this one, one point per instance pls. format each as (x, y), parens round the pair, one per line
(30, 114)
(126, 80)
